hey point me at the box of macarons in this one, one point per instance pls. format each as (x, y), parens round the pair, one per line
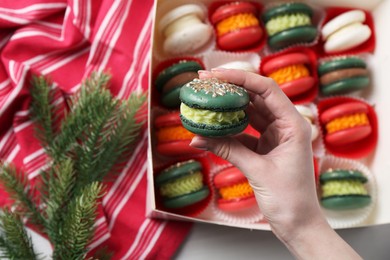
(328, 57)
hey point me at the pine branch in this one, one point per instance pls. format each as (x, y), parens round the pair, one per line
(60, 186)
(91, 99)
(14, 241)
(78, 227)
(15, 184)
(43, 111)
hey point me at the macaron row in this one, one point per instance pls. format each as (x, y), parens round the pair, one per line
(346, 191)
(196, 28)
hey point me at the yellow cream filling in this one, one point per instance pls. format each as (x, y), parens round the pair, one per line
(187, 184)
(345, 122)
(173, 133)
(236, 22)
(208, 117)
(289, 73)
(287, 21)
(343, 187)
(240, 190)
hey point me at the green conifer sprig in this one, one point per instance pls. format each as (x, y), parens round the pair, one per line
(96, 135)
(14, 238)
(15, 184)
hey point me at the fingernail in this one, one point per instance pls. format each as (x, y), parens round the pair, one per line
(203, 72)
(199, 143)
(218, 69)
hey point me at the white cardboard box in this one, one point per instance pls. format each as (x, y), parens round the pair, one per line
(378, 161)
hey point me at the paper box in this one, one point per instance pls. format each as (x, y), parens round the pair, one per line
(377, 163)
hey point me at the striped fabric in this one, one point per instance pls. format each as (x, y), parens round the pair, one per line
(66, 41)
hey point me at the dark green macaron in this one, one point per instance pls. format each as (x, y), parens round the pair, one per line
(211, 107)
(343, 75)
(181, 184)
(344, 189)
(288, 24)
(169, 81)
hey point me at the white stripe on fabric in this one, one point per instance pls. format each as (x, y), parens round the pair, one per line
(144, 69)
(33, 155)
(99, 242)
(146, 236)
(128, 194)
(122, 175)
(152, 243)
(135, 243)
(11, 68)
(35, 173)
(13, 154)
(22, 113)
(87, 29)
(22, 126)
(115, 37)
(138, 45)
(5, 83)
(5, 139)
(14, 19)
(32, 33)
(34, 7)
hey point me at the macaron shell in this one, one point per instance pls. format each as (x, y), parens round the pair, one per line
(187, 200)
(240, 39)
(177, 148)
(230, 9)
(298, 86)
(342, 20)
(303, 34)
(284, 61)
(287, 8)
(236, 205)
(343, 109)
(348, 136)
(188, 41)
(169, 119)
(228, 177)
(346, 202)
(345, 86)
(341, 63)
(347, 38)
(342, 174)
(180, 12)
(177, 170)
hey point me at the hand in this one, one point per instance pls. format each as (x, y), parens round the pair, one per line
(279, 164)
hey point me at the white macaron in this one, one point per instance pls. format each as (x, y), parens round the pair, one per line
(185, 30)
(345, 31)
(239, 65)
(309, 115)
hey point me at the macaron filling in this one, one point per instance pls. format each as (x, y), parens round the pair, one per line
(287, 21)
(208, 117)
(173, 133)
(183, 185)
(237, 191)
(346, 122)
(236, 22)
(343, 187)
(289, 73)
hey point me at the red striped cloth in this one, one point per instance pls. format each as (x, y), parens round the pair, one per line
(66, 41)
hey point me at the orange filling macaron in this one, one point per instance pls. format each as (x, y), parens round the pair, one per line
(173, 133)
(236, 191)
(289, 73)
(236, 22)
(345, 122)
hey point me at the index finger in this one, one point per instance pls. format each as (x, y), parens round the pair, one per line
(274, 98)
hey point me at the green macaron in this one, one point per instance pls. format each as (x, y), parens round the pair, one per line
(343, 75)
(169, 81)
(211, 107)
(344, 190)
(181, 184)
(288, 24)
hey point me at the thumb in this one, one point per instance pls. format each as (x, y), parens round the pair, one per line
(227, 148)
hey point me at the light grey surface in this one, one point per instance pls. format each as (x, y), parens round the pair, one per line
(219, 242)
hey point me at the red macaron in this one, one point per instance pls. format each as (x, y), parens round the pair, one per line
(172, 138)
(237, 26)
(295, 74)
(235, 192)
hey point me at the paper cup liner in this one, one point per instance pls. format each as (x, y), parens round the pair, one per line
(196, 208)
(316, 21)
(318, 143)
(257, 47)
(222, 59)
(250, 215)
(158, 38)
(358, 149)
(355, 217)
(309, 95)
(367, 46)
